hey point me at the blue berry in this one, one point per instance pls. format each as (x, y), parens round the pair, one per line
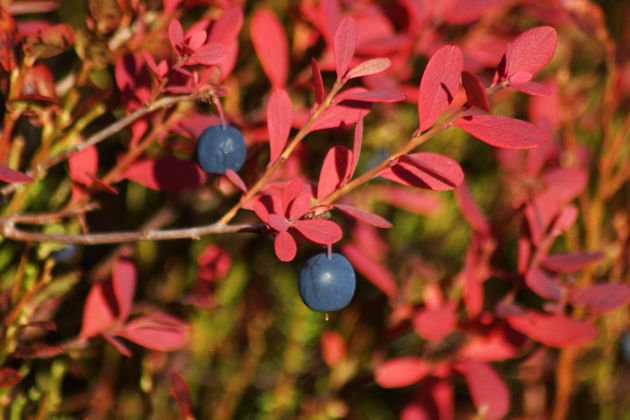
(327, 284)
(220, 148)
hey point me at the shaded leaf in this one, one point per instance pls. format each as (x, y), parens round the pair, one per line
(175, 34)
(356, 146)
(488, 390)
(400, 372)
(278, 222)
(568, 263)
(470, 210)
(344, 45)
(9, 377)
(439, 84)
(531, 88)
(181, 394)
(83, 164)
(372, 270)
(364, 216)
(506, 132)
(425, 170)
(279, 117)
(601, 298)
(368, 67)
(318, 82)
(543, 283)
(375, 96)
(49, 41)
(236, 180)
(335, 171)
(124, 283)
(554, 330)
(99, 312)
(166, 174)
(300, 206)
(475, 92)
(319, 231)
(271, 45)
(11, 175)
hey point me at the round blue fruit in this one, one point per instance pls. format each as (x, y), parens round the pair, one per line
(327, 284)
(220, 148)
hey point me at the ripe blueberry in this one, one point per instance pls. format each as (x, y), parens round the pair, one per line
(220, 148)
(327, 284)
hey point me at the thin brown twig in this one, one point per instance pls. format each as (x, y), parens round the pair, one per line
(49, 217)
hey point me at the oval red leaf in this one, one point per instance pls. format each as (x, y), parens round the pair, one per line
(425, 170)
(98, 312)
(318, 82)
(403, 371)
(435, 324)
(166, 174)
(11, 175)
(488, 390)
(601, 298)
(335, 171)
(475, 92)
(285, 246)
(157, 332)
(531, 51)
(375, 96)
(319, 231)
(505, 132)
(344, 45)
(364, 216)
(271, 45)
(124, 282)
(554, 330)
(439, 84)
(544, 284)
(568, 263)
(372, 270)
(470, 210)
(333, 347)
(279, 117)
(9, 377)
(236, 180)
(366, 68)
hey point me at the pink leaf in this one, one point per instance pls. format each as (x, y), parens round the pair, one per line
(400, 372)
(271, 45)
(356, 145)
(11, 175)
(285, 246)
(375, 96)
(344, 45)
(364, 216)
(227, 27)
(319, 231)
(175, 34)
(435, 324)
(554, 330)
(505, 132)
(340, 115)
(335, 171)
(300, 206)
(568, 263)
(475, 92)
(543, 283)
(99, 310)
(531, 88)
(565, 184)
(213, 263)
(318, 82)
(157, 332)
(489, 392)
(83, 164)
(333, 347)
(236, 180)
(470, 210)
(279, 117)
(464, 11)
(439, 84)
(124, 282)
(369, 67)
(419, 202)
(372, 270)
(209, 54)
(181, 394)
(601, 298)
(425, 170)
(278, 222)
(118, 345)
(166, 174)
(531, 51)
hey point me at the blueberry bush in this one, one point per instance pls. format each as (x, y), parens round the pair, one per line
(314, 209)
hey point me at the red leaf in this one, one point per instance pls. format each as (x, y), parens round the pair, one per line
(236, 180)
(425, 170)
(300, 206)
(124, 282)
(285, 246)
(335, 171)
(118, 345)
(319, 231)
(166, 174)
(157, 332)
(271, 45)
(531, 51)
(11, 175)
(463, 11)
(470, 210)
(543, 283)
(554, 330)
(565, 184)
(211, 53)
(475, 92)
(601, 298)
(439, 84)
(364, 216)
(83, 164)
(333, 347)
(568, 263)
(318, 82)
(342, 114)
(488, 390)
(531, 88)
(175, 34)
(213, 263)
(505, 132)
(181, 394)
(344, 45)
(497, 344)
(372, 270)
(227, 27)
(356, 145)
(279, 117)
(278, 222)
(99, 310)
(372, 66)
(375, 96)
(402, 371)
(567, 217)
(9, 377)
(419, 202)
(435, 324)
